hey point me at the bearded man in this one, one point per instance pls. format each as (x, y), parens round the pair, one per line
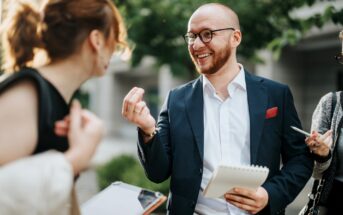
(226, 116)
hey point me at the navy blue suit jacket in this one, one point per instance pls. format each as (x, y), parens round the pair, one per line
(177, 150)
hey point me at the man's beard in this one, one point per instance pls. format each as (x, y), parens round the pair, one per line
(219, 61)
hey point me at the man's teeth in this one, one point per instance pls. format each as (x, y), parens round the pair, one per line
(203, 55)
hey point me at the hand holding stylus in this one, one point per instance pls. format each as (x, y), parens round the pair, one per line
(320, 144)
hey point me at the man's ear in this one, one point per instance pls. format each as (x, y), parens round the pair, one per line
(95, 39)
(236, 38)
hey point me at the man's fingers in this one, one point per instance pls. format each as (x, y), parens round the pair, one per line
(127, 98)
(242, 195)
(131, 101)
(145, 111)
(139, 107)
(243, 191)
(241, 199)
(135, 98)
(241, 202)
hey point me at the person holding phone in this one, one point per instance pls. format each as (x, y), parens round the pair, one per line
(326, 145)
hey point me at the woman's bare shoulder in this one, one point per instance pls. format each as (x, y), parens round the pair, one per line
(18, 120)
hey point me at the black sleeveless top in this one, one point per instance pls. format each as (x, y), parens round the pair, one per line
(51, 108)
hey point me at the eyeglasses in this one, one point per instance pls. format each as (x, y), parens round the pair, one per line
(204, 35)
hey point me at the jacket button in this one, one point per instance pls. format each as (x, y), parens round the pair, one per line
(200, 171)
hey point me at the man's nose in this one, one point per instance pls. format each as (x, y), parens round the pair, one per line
(197, 44)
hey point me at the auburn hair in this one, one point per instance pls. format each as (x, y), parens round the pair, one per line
(60, 29)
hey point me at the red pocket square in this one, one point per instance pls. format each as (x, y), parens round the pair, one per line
(271, 112)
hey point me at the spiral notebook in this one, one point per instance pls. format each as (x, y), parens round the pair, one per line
(225, 178)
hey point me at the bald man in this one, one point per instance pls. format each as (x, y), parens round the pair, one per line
(226, 116)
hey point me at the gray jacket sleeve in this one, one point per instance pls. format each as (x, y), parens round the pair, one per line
(321, 122)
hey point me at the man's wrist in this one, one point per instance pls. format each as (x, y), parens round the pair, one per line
(149, 134)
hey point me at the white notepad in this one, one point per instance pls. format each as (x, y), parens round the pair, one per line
(225, 178)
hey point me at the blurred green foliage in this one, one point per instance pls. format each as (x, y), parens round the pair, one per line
(156, 27)
(127, 168)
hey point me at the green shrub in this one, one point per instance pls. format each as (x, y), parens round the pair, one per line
(127, 168)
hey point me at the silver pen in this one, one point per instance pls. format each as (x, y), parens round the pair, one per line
(301, 131)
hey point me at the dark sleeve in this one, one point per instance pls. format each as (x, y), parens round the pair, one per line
(297, 164)
(155, 155)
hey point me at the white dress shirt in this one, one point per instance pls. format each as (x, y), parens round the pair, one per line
(226, 138)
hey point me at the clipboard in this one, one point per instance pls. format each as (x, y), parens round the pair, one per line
(122, 199)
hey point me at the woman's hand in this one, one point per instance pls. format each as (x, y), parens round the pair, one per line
(320, 144)
(84, 131)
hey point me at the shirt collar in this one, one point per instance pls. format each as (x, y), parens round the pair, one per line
(237, 82)
(207, 86)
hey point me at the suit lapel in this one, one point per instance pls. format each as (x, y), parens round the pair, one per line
(257, 102)
(195, 113)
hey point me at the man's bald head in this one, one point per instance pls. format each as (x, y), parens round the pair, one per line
(220, 11)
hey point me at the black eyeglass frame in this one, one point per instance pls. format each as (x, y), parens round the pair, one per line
(185, 36)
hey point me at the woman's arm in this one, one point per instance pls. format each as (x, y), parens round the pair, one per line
(321, 123)
(42, 183)
(18, 121)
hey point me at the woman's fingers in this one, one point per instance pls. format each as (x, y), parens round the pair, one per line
(326, 139)
(61, 128)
